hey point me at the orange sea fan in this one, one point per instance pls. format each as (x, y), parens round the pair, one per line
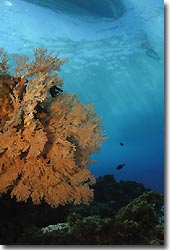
(45, 142)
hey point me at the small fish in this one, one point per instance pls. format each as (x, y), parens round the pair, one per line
(54, 91)
(121, 144)
(120, 166)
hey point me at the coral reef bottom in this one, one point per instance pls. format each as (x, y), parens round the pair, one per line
(122, 213)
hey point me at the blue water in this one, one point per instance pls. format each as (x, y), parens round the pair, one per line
(106, 42)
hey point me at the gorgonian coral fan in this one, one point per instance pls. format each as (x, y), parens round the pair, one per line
(45, 142)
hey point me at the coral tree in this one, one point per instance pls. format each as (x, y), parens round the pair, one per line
(45, 142)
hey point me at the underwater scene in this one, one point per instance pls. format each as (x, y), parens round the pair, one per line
(82, 122)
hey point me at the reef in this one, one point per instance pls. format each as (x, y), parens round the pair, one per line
(129, 214)
(45, 140)
(48, 195)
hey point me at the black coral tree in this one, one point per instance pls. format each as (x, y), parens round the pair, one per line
(45, 142)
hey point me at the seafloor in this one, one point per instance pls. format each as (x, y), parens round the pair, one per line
(122, 213)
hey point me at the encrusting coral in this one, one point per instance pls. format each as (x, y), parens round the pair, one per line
(45, 142)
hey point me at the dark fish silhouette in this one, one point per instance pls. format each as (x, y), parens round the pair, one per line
(152, 53)
(121, 144)
(54, 91)
(120, 166)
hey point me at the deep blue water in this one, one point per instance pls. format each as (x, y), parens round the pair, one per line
(116, 61)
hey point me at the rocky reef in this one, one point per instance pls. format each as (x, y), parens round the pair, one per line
(126, 213)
